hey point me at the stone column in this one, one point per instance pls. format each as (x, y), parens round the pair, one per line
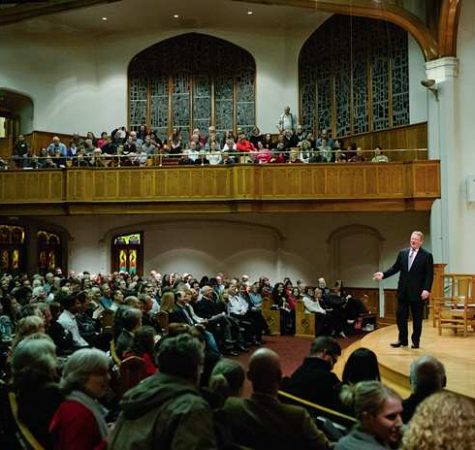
(442, 140)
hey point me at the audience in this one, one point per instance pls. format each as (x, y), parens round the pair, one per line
(262, 421)
(166, 410)
(362, 365)
(80, 420)
(314, 380)
(378, 411)
(443, 421)
(427, 377)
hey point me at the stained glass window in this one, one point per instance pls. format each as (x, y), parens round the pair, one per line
(12, 248)
(49, 251)
(354, 77)
(205, 81)
(127, 253)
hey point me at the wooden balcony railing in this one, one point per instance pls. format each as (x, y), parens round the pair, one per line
(247, 188)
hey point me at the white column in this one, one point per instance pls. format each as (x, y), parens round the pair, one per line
(442, 135)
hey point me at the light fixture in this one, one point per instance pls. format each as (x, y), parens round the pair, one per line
(249, 12)
(431, 85)
(176, 16)
(104, 18)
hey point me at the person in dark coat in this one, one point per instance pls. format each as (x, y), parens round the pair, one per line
(416, 272)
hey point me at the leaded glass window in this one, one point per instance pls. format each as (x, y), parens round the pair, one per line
(354, 77)
(192, 81)
(127, 253)
(12, 249)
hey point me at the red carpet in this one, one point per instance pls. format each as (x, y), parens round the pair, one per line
(292, 351)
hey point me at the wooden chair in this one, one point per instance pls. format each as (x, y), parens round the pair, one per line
(456, 309)
(304, 323)
(132, 372)
(272, 316)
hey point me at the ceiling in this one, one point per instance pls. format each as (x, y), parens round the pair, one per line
(140, 15)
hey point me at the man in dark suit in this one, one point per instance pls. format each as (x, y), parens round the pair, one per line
(416, 272)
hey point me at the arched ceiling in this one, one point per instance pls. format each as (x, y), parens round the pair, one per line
(127, 15)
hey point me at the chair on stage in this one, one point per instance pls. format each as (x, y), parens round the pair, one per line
(456, 309)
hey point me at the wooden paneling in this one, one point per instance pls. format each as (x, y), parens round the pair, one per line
(371, 298)
(409, 142)
(6, 147)
(267, 188)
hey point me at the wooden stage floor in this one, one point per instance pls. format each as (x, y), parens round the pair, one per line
(456, 352)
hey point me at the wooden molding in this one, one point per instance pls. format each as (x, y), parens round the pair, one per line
(448, 27)
(367, 8)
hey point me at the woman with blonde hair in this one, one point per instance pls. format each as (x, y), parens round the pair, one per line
(27, 326)
(378, 411)
(443, 421)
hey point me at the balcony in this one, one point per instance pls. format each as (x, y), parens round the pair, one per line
(398, 186)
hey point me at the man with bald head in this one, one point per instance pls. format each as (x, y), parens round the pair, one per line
(263, 422)
(427, 378)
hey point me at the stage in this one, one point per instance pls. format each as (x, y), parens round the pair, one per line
(456, 352)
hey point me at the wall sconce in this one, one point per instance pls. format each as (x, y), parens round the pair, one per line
(431, 85)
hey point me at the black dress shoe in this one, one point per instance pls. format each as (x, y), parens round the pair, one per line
(398, 344)
(415, 346)
(242, 348)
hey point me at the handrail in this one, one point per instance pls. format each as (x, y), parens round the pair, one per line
(317, 407)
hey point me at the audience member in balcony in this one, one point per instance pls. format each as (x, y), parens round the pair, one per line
(226, 159)
(245, 147)
(80, 422)
(300, 133)
(361, 365)
(214, 154)
(378, 410)
(263, 155)
(149, 147)
(359, 156)
(255, 136)
(141, 157)
(378, 156)
(212, 139)
(340, 157)
(56, 145)
(314, 380)
(325, 150)
(142, 132)
(263, 422)
(20, 151)
(193, 151)
(290, 140)
(185, 160)
(427, 377)
(279, 152)
(229, 146)
(287, 121)
(306, 150)
(34, 389)
(202, 159)
(175, 142)
(227, 135)
(267, 141)
(294, 156)
(201, 138)
(444, 421)
(102, 140)
(96, 158)
(324, 134)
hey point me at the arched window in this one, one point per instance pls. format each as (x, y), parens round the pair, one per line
(12, 249)
(127, 253)
(192, 81)
(49, 251)
(354, 77)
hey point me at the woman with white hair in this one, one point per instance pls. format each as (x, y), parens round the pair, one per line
(80, 419)
(29, 402)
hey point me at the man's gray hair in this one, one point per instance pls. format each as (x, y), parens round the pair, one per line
(181, 356)
(427, 375)
(81, 365)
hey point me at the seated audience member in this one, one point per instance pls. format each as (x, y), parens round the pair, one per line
(362, 365)
(226, 380)
(427, 377)
(262, 421)
(35, 392)
(226, 159)
(211, 357)
(443, 421)
(202, 160)
(358, 156)
(193, 151)
(287, 310)
(131, 321)
(166, 410)
(325, 151)
(79, 422)
(314, 380)
(67, 319)
(56, 147)
(263, 155)
(378, 156)
(27, 326)
(378, 410)
(143, 347)
(214, 155)
(62, 337)
(88, 328)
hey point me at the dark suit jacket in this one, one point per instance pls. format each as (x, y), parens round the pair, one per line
(419, 278)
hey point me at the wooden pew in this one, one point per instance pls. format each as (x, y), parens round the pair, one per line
(272, 316)
(304, 323)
